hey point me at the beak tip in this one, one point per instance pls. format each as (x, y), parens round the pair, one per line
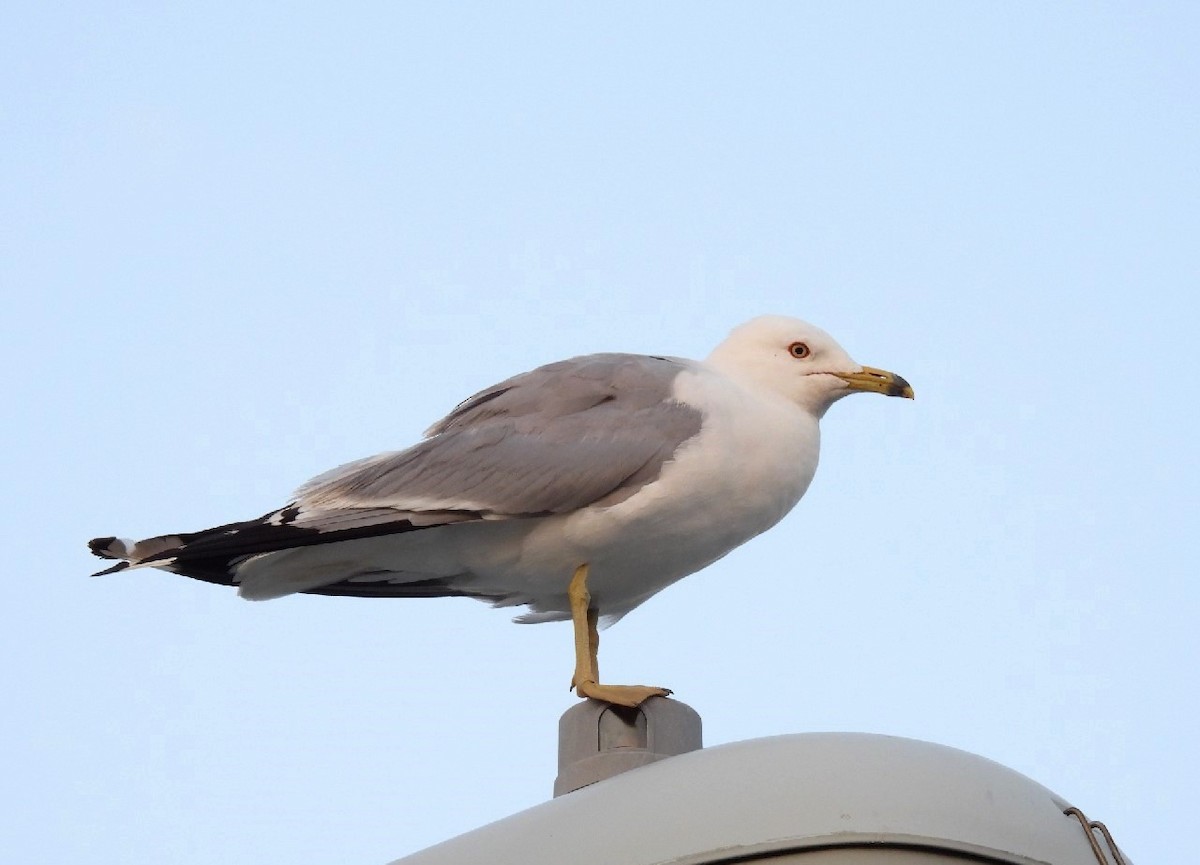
(877, 381)
(903, 389)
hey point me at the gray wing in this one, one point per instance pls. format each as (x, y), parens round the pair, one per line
(558, 438)
(564, 436)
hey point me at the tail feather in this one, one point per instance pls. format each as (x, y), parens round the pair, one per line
(215, 555)
(119, 566)
(132, 553)
(110, 548)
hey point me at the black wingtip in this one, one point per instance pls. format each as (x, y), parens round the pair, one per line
(119, 566)
(99, 547)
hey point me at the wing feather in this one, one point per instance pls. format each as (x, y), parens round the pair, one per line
(549, 441)
(564, 436)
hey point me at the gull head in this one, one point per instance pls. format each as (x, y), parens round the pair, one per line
(799, 362)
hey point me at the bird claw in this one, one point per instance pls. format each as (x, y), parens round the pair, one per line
(620, 695)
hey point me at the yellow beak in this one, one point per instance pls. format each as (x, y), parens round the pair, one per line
(877, 381)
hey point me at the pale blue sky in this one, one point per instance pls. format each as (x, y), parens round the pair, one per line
(243, 243)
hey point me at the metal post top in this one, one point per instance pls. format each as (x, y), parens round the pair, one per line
(598, 740)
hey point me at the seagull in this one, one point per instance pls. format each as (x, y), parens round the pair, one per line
(578, 490)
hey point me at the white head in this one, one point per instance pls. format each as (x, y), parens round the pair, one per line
(800, 362)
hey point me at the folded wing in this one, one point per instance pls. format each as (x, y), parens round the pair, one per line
(587, 431)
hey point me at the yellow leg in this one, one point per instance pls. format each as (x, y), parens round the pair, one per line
(587, 647)
(593, 616)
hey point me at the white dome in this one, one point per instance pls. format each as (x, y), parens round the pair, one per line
(817, 795)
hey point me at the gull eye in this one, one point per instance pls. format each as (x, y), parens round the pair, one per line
(799, 349)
